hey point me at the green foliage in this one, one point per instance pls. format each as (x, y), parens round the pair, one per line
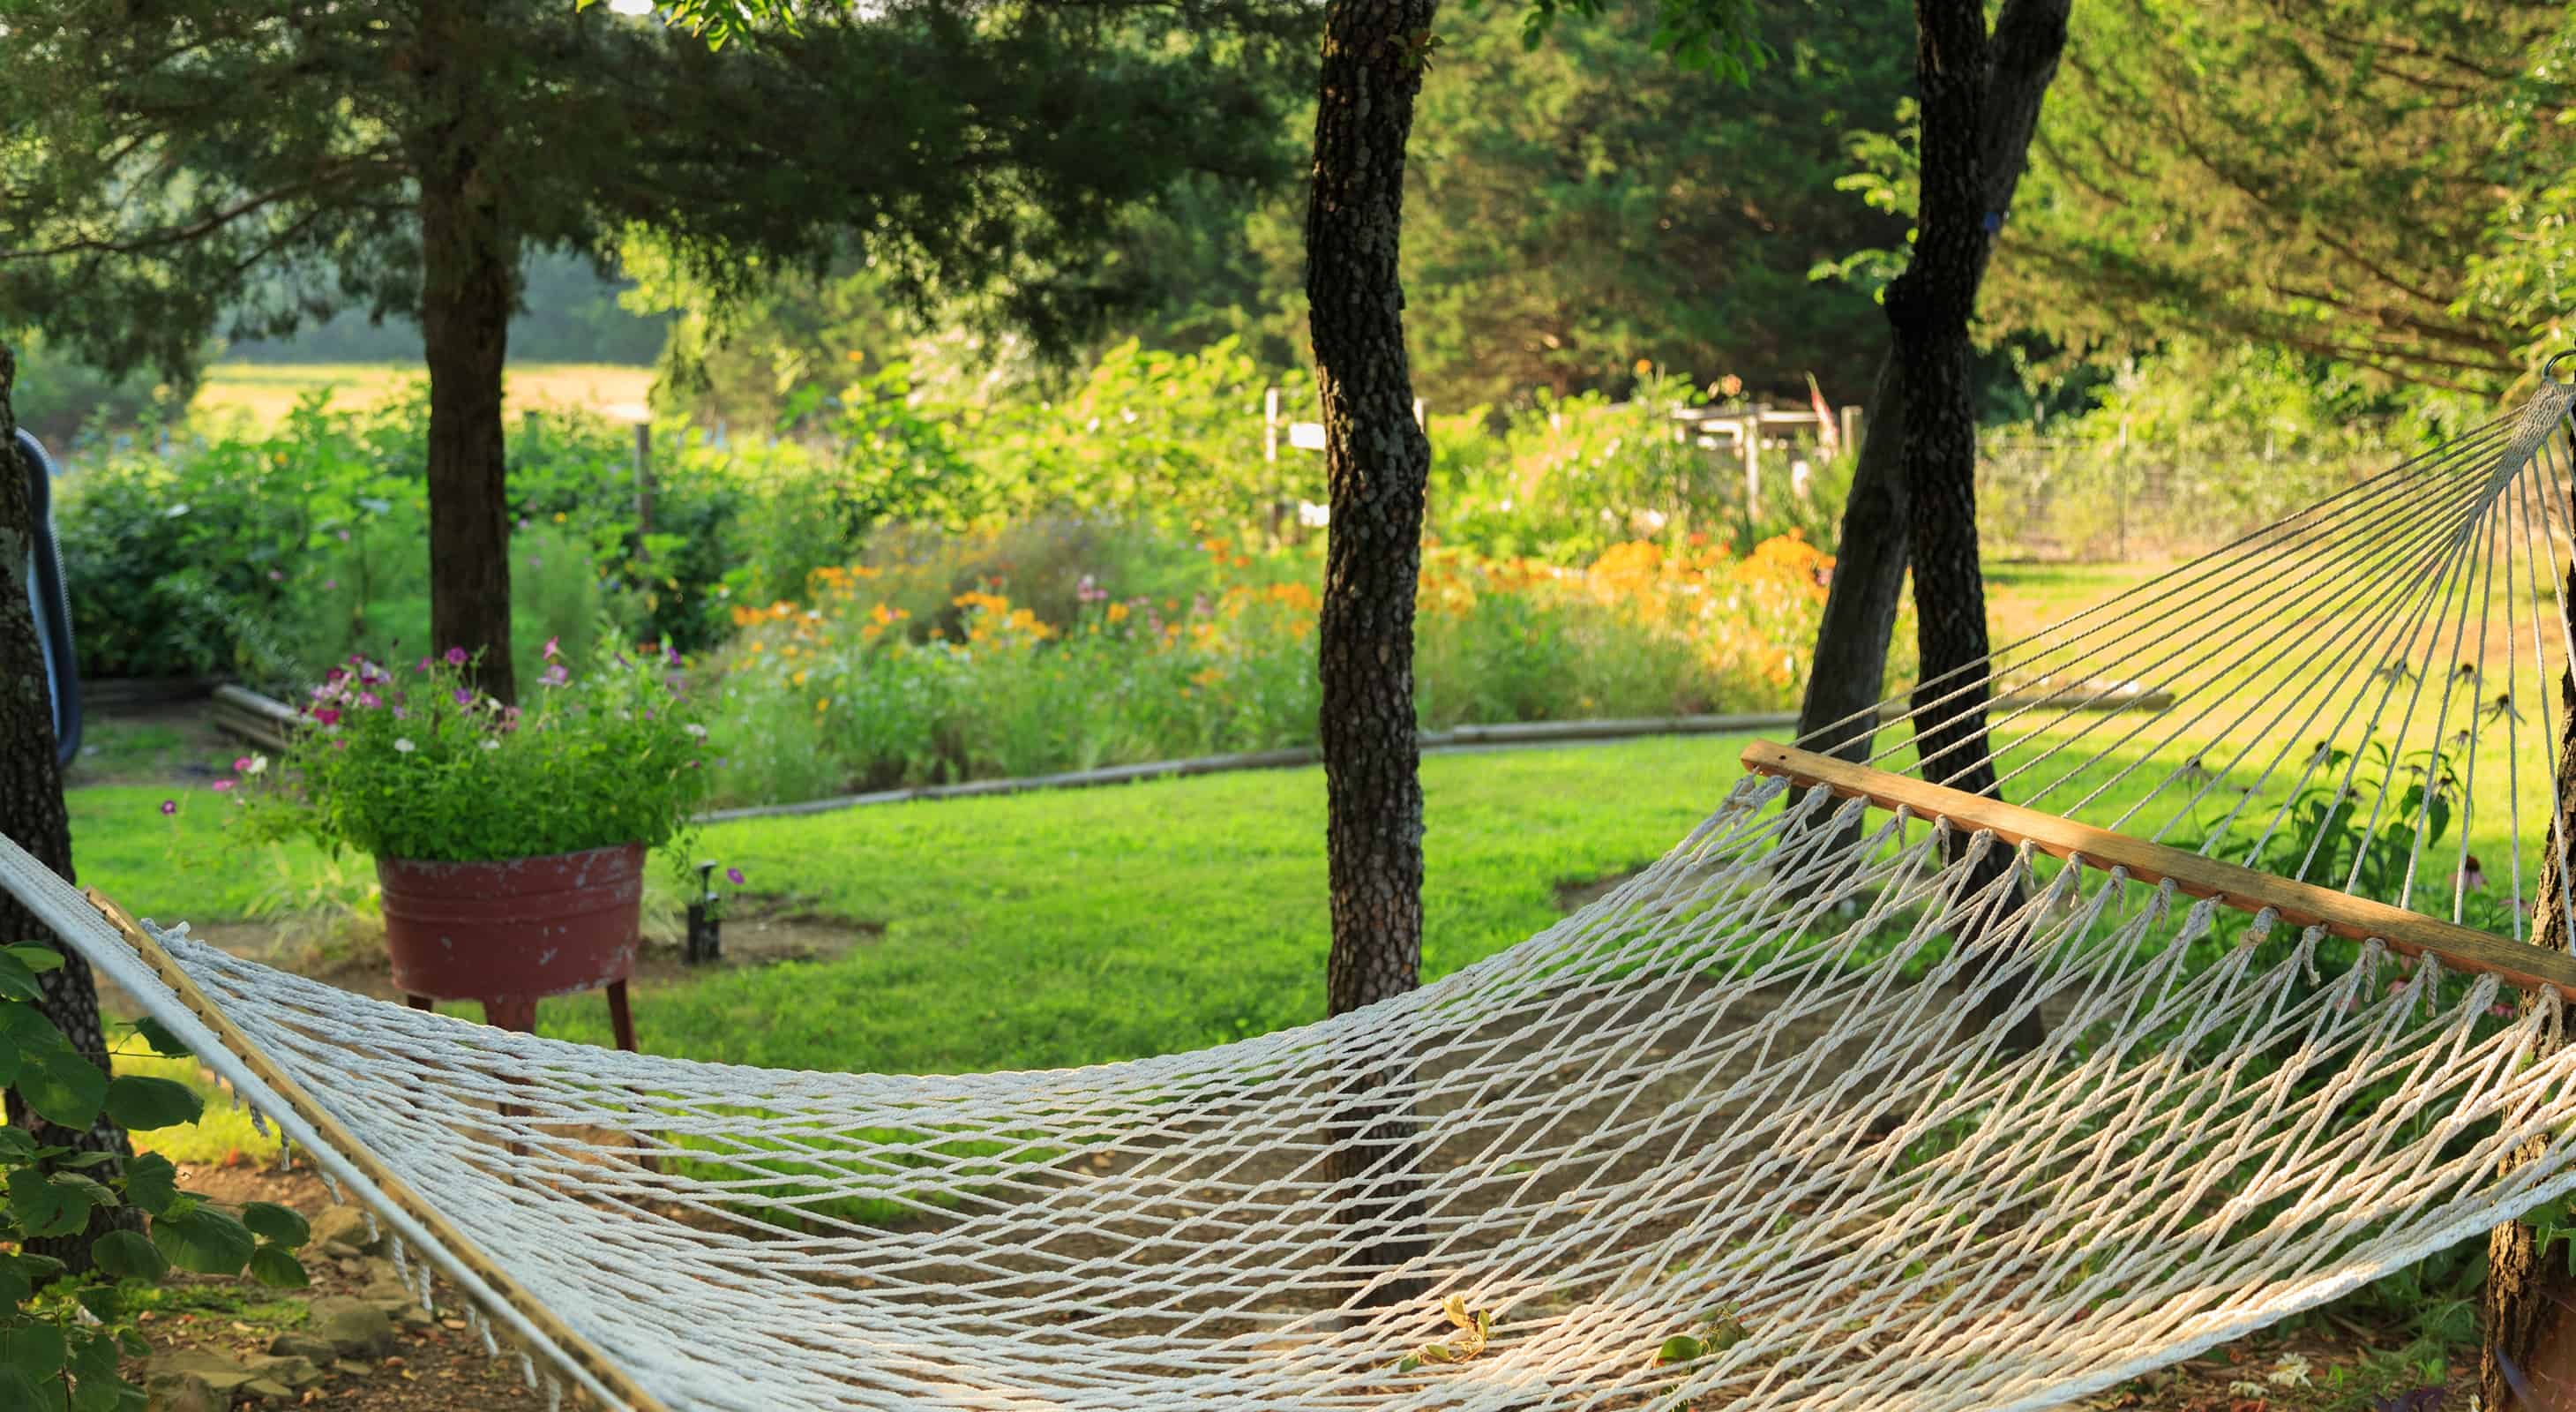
(1622, 207)
(58, 396)
(1071, 644)
(199, 165)
(2379, 185)
(569, 312)
(273, 555)
(410, 762)
(61, 1338)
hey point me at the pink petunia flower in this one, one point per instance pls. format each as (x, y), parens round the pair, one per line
(169, 806)
(424, 665)
(328, 715)
(335, 674)
(241, 765)
(464, 696)
(369, 698)
(555, 675)
(552, 651)
(220, 786)
(456, 657)
(734, 876)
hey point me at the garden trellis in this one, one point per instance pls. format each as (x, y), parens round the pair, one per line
(1761, 1096)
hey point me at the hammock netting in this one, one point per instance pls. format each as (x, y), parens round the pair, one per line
(1766, 1094)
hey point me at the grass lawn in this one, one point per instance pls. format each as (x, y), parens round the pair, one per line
(267, 391)
(1044, 929)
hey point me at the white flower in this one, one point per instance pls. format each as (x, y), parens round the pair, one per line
(257, 764)
(403, 744)
(2291, 1371)
(489, 744)
(695, 730)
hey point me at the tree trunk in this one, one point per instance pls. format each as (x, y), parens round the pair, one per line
(33, 814)
(1849, 674)
(1377, 467)
(1850, 671)
(469, 274)
(1928, 309)
(2528, 1309)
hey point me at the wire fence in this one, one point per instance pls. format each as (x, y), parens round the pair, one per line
(2108, 502)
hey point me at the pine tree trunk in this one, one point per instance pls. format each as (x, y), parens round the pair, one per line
(1850, 671)
(1377, 466)
(32, 814)
(2528, 1309)
(469, 274)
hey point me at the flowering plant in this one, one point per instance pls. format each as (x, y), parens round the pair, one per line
(412, 762)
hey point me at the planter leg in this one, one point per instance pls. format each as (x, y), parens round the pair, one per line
(420, 1002)
(520, 1015)
(620, 1019)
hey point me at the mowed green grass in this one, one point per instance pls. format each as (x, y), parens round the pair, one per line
(1046, 929)
(266, 392)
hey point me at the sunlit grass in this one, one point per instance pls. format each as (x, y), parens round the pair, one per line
(265, 392)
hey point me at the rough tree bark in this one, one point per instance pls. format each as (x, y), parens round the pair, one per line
(2528, 1308)
(1850, 671)
(1928, 310)
(469, 274)
(1377, 466)
(33, 814)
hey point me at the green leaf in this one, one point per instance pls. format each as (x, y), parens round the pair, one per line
(126, 1255)
(17, 978)
(204, 1241)
(1407, 1363)
(162, 1041)
(34, 1348)
(83, 1161)
(1680, 1348)
(140, 1104)
(44, 1206)
(277, 1268)
(151, 1182)
(96, 1387)
(55, 1080)
(16, 1146)
(276, 1224)
(104, 1302)
(39, 959)
(18, 1390)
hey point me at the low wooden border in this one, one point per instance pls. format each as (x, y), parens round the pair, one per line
(2298, 903)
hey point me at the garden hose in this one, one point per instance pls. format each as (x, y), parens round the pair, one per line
(50, 601)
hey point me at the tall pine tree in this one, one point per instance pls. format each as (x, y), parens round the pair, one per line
(251, 165)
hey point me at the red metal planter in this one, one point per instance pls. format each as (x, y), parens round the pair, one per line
(512, 932)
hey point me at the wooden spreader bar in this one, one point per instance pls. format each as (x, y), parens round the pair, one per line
(2300, 904)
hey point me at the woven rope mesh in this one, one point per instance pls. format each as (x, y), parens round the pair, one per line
(1764, 1094)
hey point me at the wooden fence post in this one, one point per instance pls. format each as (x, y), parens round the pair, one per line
(643, 487)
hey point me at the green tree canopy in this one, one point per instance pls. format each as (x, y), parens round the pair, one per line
(1623, 207)
(2384, 185)
(181, 166)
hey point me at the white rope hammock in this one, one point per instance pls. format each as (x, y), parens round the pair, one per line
(1744, 1097)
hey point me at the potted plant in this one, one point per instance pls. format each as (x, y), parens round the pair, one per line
(509, 840)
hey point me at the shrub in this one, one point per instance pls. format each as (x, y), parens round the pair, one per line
(61, 1338)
